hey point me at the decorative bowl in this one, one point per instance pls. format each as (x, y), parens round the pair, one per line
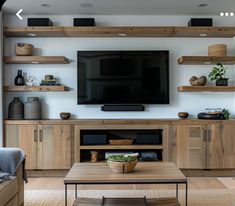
(23, 49)
(65, 115)
(122, 167)
(183, 115)
(121, 141)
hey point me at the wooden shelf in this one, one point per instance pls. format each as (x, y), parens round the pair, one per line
(206, 88)
(8, 88)
(206, 60)
(120, 147)
(35, 60)
(137, 31)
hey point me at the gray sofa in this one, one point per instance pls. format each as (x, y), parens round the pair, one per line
(12, 191)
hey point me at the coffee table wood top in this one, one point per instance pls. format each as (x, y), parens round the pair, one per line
(100, 173)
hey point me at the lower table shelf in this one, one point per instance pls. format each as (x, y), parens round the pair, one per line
(126, 202)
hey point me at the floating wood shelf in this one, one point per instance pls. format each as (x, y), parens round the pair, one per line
(206, 60)
(206, 88)
(35, 60)
(8, 88)
(137, 31)
(120, 147)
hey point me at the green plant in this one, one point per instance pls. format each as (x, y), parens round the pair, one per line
(218, 72)
(225, 113)
(123, 158)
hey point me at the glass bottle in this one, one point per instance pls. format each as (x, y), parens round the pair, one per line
(19, 80)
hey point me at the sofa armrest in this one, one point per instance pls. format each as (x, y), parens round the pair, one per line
(19, 176)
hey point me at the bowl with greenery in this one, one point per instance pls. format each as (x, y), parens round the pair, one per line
(123, 163)
(218, 74)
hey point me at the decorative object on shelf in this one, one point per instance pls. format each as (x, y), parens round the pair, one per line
(16, 109)
(195, 81)
(49, 81)
(23, 49)
(226, 114)
(183, 115)
(19, 79)
(121, 141)
(148, 156)
(123, 163)
(94, 156)
(218, 74)
(39, 22)
(65, 115)
(211, 113)
(218, 50)
(31, 81)
(33, 108)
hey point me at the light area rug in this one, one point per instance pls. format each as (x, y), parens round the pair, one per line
(215, 197)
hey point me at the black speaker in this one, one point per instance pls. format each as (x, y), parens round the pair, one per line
(39, 22)
(83, 22)
(200, 22)
(122, 108)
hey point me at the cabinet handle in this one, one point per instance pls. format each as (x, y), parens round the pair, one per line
(204, 135)
(209, 135)
(40, 135)
(35, 135)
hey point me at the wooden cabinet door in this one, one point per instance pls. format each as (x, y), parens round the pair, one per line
(24, 137)
(190, 150)
(55, 143)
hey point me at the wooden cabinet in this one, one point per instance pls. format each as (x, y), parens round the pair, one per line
(46, 146)
(187, 146)
(221, 146)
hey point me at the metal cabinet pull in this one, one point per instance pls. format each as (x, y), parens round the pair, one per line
(40, 135)
(205, 135)
(35, 135)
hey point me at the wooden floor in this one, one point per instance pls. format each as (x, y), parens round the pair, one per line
(203, 191)
(194, 183)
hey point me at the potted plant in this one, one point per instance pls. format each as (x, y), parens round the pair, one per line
(225, 114)
(119, 163)
(218, 74)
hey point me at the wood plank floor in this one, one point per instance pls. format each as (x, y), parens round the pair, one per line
(203, 191)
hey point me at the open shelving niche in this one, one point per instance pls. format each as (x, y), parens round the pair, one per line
(122, 132)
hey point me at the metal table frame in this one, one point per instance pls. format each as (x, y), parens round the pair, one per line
(114, 183)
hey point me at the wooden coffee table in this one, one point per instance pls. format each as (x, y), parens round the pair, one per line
(144, 173)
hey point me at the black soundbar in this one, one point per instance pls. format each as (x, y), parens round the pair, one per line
(116, 108)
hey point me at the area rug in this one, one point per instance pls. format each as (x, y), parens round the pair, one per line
(216, 197)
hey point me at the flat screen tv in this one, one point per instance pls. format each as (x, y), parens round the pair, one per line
(123, 77)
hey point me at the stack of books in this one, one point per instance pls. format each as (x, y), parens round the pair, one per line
(49, 83)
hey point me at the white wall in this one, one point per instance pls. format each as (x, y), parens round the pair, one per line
(1, 77)
(54, 103)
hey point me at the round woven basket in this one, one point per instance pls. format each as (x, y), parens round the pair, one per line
(122, 167)
(217, 50)
(23, 49)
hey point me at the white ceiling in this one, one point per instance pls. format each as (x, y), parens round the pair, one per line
(120, 7)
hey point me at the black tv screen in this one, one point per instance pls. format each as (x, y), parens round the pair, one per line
(123, 77)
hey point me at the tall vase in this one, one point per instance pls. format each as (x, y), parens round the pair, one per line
(33, 108)
(16, 109)
(19, 80)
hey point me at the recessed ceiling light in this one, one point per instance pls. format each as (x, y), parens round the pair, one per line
(86, 5)
(231, 14)
(45, 5)
(226, 14)
(202, 5)
(221, 13)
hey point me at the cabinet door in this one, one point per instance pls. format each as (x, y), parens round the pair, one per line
(190, 146)
(55, 147)
(24, 137)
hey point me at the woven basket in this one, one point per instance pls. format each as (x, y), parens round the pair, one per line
(24, 49)
(217, 50)
(122, 167)
(121, 141)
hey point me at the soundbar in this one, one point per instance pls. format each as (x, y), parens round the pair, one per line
(116, 108)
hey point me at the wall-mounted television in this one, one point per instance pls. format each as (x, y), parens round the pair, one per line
(123, 77)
